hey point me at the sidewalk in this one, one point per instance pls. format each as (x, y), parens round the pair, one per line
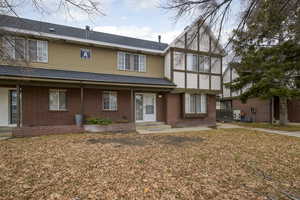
(287, 133)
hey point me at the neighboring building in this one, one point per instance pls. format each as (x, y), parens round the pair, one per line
(255, 109)
(60, 71)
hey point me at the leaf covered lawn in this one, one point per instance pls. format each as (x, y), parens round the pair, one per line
(216, 164)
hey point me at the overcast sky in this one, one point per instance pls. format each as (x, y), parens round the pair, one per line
(135, 18)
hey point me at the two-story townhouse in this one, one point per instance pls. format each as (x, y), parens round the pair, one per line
(50, 72)
(255, 109)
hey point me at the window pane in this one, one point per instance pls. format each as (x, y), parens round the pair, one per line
(106, 101)
(193, 104)
(203, 104)
(20, 48)
(142, 59)
(53, 100)
(195, 63)
(204, 64)
(121, 60)
(198, 103)
(42, 51)
(127, 61)
(62, 100)
(32, 47)
(136, 62)
(113, 101)
(9, 47)
(187, 103)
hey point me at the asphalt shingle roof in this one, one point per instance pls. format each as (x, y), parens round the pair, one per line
(61, 30)
(28, 72)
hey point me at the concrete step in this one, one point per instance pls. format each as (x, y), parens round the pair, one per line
(149, 123)
(154, 127)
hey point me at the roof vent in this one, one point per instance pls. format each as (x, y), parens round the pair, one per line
(88, 28)
(52, 29)
(159, 38)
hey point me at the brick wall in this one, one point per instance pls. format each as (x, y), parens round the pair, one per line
(174, 112)
(294, 111)
(262, 108)
(35, 110)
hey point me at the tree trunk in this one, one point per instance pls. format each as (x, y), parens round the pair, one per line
(283, 111)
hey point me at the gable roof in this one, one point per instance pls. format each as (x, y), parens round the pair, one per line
(16, 23)
(29, 72)
(197, 21)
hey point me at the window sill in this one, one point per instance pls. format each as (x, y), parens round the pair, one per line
(109, 110)
(58, 110)
(194, 115)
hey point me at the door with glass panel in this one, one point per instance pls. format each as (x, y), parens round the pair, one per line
(145, 107)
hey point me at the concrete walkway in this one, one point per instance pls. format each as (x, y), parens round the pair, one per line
(175, 130)
(287, 133)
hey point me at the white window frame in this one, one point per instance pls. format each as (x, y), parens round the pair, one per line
(58, 104)
(110, 94)
(9, 43)
(42, 49)
(203, 103)
(121, 60)
(190, 62)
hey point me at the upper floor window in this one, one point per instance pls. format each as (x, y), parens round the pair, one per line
(204, 64)
(14, 48)
(192, 62)
(20, 49)
(38, 50)
(131, 62)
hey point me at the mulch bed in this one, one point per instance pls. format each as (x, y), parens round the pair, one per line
(216, 164)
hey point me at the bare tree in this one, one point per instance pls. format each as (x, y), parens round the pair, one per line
(235, 14)
(12, 7)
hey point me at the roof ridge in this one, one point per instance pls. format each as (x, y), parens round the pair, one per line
(82, 29)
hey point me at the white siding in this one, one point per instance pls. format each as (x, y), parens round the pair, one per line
(204, 40)
(180, 42)
(204, 81)
(192, 80)
(226, 77)
(179, 79)
(179, 60)
(226, 92)
(215, 82)
(192, 38)
(168, 66)
(216, 65)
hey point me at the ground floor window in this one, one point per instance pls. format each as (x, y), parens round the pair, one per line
(57, 100)
(195, 103)
(110, 102)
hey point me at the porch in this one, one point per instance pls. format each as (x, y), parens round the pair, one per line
(39, 105)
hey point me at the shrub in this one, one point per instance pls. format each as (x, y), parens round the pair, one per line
(98, 121)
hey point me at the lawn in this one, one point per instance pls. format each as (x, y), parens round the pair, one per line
(270, 126)
(217, 164)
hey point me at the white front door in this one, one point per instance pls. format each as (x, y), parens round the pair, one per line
(145, 107)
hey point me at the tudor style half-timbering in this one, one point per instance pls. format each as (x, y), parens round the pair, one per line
(194, 63)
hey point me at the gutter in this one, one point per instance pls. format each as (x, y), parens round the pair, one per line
(60, 80)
